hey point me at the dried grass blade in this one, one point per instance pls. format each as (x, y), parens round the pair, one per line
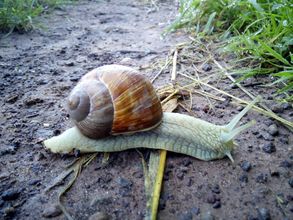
(154, 179)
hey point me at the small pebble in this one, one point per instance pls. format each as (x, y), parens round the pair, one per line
(275, 173)
(10, 194)
(277, 108)
(290, 182)
(39, 156)
(267, 136)
(245, 166)
(262, 178)
(284, 140)
(34, 182)
(11, 149)
(290, 198)
(56, 132)
(42, 82)
(207, 67)
(33, 101)
(250, 148)
(9, 211)
(286, 106)
(195, 210)
(239, 108)
(52, 211)
(243, 178)
(190, 182)
(286, 164)
(217, 205)
(186, 162)
(180, 175)
(99, 216)
(216, 189)
(269, 148)
(233, 86)
(63, 50)
(69, 63)
(74, 78)
(273, 130)
(263, 214)
(124, 183)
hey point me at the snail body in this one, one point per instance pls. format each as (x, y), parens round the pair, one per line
(170, 131)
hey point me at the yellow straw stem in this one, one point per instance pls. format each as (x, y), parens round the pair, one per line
(158, 184)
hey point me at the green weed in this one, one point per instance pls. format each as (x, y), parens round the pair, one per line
(21, 15)
(259, 30)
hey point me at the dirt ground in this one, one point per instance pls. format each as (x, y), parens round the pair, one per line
(39, 69)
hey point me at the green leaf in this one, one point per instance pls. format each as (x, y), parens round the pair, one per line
(286, 73)
(274, 53)
(208, 29)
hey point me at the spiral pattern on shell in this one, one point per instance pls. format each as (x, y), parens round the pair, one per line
(112, 100)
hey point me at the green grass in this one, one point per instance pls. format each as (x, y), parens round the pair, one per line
(259, 30)
(21, 15)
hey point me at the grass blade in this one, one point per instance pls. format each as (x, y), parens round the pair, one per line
(274, 53)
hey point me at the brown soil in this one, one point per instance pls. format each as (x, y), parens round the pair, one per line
(39, 69)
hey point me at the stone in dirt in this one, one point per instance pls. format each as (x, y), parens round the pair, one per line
(245, 165)
(286, 164)
(243, 178)
(264, 214)
(273, 130)
(33, 101)
(269, 148)
(207, 67)
(99, 216)
(262, 178)
(217, 205)
(10, 194)
(51, 211)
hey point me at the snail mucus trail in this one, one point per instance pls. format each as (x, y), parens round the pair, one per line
(113, 100)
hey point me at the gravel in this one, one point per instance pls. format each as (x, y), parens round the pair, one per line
(263, 214)
(217, 205)
(51, 211)
(99, 216)
(10, 194)
(262, 178)
(207, 67)
(273, 130)
(286, 164)
(245, 166)
(269, 148)
(243, 178)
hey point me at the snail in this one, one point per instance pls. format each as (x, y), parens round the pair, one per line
(115, 108)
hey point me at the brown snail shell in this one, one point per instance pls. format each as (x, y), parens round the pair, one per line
(112, 100)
